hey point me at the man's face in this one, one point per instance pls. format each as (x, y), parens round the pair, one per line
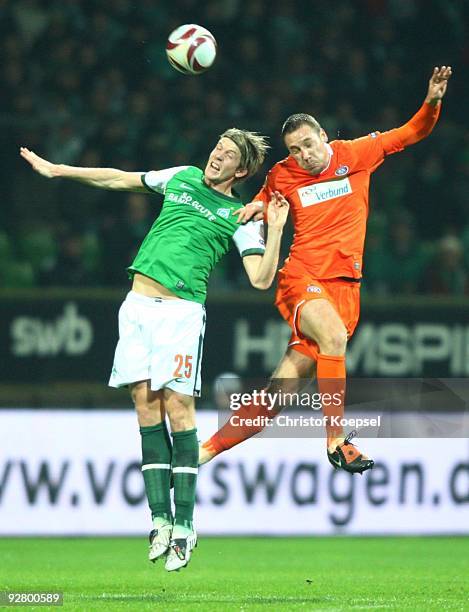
(308, 147)
(223, 162)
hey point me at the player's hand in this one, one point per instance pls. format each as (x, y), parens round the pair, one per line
(277, 212)
(253, 210)
(39, 164)
(438, 83)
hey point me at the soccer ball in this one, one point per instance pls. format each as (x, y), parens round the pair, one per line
(191, 49)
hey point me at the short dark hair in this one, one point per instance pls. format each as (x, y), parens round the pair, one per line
(296, 121)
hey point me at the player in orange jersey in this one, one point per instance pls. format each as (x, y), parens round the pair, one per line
(318, 290)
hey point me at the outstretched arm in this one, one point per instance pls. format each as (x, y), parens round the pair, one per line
(423, 122)
(261, 269)
(104, 178)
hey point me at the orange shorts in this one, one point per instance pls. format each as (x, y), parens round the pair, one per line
(293, 293)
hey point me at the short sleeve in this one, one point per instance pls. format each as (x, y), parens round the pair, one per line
(249, 238)
(156, 180)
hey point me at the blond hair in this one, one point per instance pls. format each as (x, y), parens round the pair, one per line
(252, 146)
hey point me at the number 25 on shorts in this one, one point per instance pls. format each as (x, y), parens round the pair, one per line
(183, 366)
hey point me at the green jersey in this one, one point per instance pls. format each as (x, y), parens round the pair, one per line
(193, 231)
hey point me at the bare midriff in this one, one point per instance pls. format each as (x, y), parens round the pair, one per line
(151, 288)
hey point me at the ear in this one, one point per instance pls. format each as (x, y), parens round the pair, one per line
(241, 172)
(323, 136)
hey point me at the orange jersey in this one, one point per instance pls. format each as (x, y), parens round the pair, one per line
(330, 209)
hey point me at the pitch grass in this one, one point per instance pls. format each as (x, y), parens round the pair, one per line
(245, 574)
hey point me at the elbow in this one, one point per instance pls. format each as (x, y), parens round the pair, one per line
(262, 285)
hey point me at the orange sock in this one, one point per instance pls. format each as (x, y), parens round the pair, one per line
(236, 430)
(331, 381)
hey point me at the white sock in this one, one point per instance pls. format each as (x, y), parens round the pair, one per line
(159, 522)
(179, 531)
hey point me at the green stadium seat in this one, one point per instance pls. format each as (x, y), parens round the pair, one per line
(37, 247)
(5, 248)
(17, 274)
(91, 252)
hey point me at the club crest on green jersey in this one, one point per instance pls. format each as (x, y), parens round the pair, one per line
(224, 213)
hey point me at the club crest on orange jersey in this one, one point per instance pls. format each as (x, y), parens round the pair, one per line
(341, 170)
(313, 289)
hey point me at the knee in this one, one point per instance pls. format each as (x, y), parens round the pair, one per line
(320, 322)
(145, 415)
(147, 407)
(180, 412)
(334, 342)
(178, 418)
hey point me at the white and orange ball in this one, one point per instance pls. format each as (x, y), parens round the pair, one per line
(191, 49)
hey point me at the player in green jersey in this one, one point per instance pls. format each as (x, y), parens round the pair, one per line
(162, 320)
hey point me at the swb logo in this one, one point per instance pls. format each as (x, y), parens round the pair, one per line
(70, 334)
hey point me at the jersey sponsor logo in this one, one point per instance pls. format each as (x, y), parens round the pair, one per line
(341, 170)
(185, 198)
(321, 192)
(224, 212)
(313, 289)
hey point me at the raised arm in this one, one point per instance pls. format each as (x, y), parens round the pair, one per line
(423, 122)
(261, 269)
(438, 84)
(104, 178)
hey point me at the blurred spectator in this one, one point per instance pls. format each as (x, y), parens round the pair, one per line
(68, 269)
(446, 274)
(31, 17)
(405, 256)
(121, 234)
(374, 261)
(64, 145)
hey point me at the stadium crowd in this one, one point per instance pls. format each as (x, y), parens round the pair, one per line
(87, 83)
